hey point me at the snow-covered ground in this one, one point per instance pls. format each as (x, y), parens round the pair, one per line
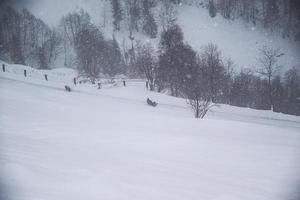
(108, 144)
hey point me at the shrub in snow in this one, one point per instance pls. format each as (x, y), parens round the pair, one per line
(151, 103)
(67, 88)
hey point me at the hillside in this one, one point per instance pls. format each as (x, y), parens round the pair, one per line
(149, 100)
(109, 144)
(236, 39)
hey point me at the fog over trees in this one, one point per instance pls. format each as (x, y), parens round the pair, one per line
(281, 16)
(205, 78)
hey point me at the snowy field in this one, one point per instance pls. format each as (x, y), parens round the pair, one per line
(108, 144)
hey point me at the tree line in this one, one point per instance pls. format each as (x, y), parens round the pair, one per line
(25, 39)
(203, 78)
(206, 78)
(282, 16)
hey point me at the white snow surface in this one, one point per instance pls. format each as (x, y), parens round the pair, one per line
(109, 144)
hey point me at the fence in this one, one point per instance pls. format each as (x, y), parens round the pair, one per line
(45, 75)
(63, 78)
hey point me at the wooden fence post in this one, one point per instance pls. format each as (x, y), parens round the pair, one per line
(25, 73)
(74, 80)
(46, 77)
(3, 67)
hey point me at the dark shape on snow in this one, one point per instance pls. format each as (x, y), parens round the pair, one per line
(74, 81)
(151, 103)
(67, 88)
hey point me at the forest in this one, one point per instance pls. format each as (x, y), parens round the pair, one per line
(204, 78)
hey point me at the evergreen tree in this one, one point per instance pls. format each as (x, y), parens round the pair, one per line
(112, 60)
(149, 24)
(170, 62)
(272, 14)
(10, 31)
(212, 9)
(117, 14)
(90, 47)
(292, 92)
(134, 14)
(171, 37)
(278, 93)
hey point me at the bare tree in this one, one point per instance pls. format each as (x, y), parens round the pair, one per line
(200, 106)
(213, 68)
(69, 28)
(73, 22)
(196, 88)
(269, 67)
(147, 62)
(10, 33)
(89, 48)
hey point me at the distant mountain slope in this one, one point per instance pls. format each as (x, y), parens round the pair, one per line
(237, 40)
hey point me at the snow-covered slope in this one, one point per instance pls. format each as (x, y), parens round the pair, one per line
(108, 144)
(237, 40)
(56, 75)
